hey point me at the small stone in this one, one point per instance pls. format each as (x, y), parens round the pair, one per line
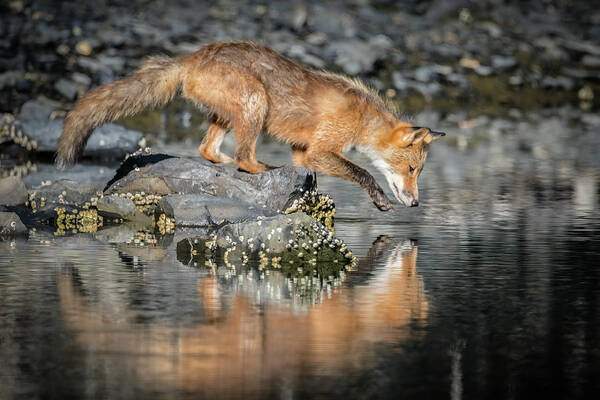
(84, 48)
(63, 49)
(81, 79)
(13, 191)
(11, 224)
(123, 207)
(503, 62)
(67, 88)
(591, 61)
(484, 70)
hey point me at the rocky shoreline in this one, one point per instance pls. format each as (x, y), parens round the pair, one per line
(154, 195)
(417, 53)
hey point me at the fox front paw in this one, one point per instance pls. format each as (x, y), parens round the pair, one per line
(381, 201)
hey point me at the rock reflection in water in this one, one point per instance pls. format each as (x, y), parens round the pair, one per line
(248, 344)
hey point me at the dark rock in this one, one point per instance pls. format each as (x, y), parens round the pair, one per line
(503, 62)
(357, 56)
(91, 174)
(593, 120)
(133, 162)
(459, 80)
(272, 189)
(591, 61)
(425, 73)
(64, 192)
(440, 9)
(448, 50)
(104, 73)
(581, 46)
(274, 232)
(111, 37)
(108, 140)
(322, 18)
(483, 70)
(123, 207)
(35, 110)
(121, 233)
(63, 218)
(12, 191)
(10, 79)
(429, 73)
(400, 82)
(427, 90)
(67, 88)
(299, 52)
(206, 210)
(114, 63)
(579, 73)
(81, 79)
(559, 82)
(515, 80)
(11, 225)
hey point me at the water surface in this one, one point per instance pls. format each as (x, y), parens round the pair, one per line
(489, 289)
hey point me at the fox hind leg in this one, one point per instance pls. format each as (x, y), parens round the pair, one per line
(247, 125)
(237, 97)
(210, 148)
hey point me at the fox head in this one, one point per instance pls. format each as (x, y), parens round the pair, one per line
(400, 154)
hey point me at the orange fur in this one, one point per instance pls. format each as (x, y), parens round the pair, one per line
(250, 88)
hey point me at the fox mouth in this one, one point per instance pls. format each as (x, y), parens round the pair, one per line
(400, 196)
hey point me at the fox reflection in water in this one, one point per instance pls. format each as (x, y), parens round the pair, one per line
(241, 350)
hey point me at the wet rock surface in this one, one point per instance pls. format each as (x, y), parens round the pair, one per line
(123, 207)
(63, 191)
(107, 141)
(272, 189)
(12, 191)
(295, 244)
(37, 129)
(11, 225)
(206, 210)
(155, 194)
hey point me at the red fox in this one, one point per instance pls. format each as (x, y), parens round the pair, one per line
(249, 88)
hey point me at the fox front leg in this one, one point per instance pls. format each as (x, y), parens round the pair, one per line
(337, 165)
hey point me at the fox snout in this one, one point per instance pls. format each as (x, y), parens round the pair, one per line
(407, 197)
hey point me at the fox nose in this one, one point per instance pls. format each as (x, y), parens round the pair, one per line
(414, 203)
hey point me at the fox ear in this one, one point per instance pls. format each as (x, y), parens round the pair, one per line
(405, 136)
(432, 136)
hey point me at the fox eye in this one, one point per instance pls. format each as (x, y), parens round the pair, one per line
(411, 169)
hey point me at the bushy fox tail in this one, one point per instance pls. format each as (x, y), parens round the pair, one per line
(154, 83)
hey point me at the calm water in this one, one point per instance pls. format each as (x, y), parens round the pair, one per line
(490, 289)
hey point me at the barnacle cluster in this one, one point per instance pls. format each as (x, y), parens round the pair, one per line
(311, 264)
(37, 200)
(311, 253)
(10, 130)
(317, 205)
(165, 224)
(145, 202)
(315, 247)
(143, 238)
(76, 220)
(143, 150)
(19, 170)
